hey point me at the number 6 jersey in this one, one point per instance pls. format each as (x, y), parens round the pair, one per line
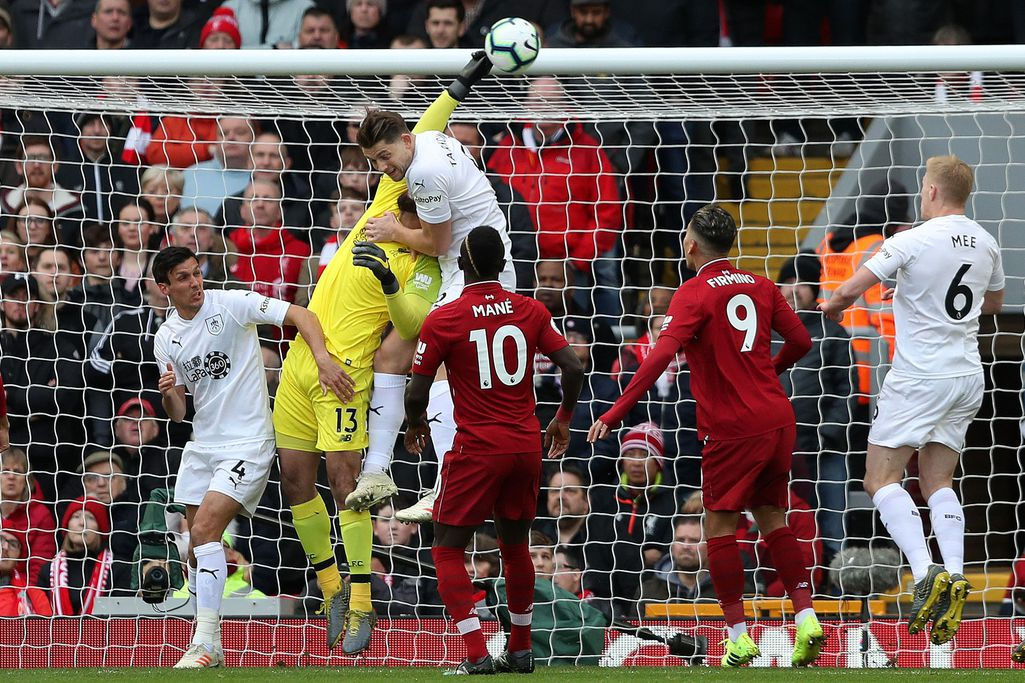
(944, 268)
(487, 339)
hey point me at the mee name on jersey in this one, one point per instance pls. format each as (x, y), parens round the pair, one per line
(217, 356)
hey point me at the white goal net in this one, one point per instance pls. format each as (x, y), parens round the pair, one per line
(598, 160)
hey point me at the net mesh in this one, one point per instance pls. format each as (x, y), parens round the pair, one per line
(791, 156)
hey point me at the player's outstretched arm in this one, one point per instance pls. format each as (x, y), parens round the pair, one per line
(417, 430)
(172, 395)
(332, 376)
(847, 293)
(557, 434)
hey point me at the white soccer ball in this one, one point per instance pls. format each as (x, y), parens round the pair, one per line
(512, 44)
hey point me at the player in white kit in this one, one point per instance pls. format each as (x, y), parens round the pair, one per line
(209, 345)
(948, 272)
(452, 196)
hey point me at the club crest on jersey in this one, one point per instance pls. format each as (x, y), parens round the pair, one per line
(215, 324)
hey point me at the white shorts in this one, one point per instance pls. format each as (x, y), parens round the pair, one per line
(914, 411)
(452, 288)
(239, 472)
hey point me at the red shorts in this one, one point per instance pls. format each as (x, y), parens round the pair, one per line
(476, 488)
(741, 474)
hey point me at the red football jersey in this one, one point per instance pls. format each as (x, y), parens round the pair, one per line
(723, 319)
(487, 339)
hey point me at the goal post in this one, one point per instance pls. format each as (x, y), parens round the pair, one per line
(625, 145)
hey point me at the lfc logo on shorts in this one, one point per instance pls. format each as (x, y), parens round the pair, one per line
(215, 324)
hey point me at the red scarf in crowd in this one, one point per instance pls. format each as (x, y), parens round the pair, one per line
(59, 584)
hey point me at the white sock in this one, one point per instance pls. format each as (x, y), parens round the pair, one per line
(192, 582)
(211, 573)
(803, 614)
(384, 421)
(901, 519)
(736, 630)
(948, 525)
(443, 426)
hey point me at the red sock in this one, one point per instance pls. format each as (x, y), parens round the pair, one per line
(457, 594)
(727, 570)
(788, 559)
(519, 590)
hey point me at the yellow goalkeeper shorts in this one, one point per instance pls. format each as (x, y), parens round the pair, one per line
(306, 420)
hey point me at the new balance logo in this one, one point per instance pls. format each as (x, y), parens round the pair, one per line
(203, 570)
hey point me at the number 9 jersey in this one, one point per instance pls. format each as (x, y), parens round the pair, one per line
(487, 339)
(723, 320)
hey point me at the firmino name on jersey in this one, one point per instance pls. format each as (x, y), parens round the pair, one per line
(730, 279)
(500, 308)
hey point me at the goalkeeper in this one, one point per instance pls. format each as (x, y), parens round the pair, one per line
(362, 288)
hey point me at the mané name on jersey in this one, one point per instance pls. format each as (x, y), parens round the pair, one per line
(487, 339)
(217, 356)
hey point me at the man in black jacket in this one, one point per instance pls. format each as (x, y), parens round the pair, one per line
(819, 387)
(91, 171)
(166, 26)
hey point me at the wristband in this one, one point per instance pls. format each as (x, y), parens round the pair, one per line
(563, 415)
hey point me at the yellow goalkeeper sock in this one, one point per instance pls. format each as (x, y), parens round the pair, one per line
(358, 537)
(313, 526)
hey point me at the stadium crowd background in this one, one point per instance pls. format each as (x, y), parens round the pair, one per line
(87, 199)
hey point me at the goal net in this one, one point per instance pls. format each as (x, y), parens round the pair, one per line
(599, 159)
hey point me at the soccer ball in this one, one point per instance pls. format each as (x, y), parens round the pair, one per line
(512, 44)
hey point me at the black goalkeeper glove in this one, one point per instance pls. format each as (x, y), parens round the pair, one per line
(369, 255)
(477, 68)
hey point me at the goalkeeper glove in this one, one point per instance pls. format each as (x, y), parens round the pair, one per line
(477, 68)
(369, 255)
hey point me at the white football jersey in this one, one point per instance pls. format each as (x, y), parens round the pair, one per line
(217, 356)
(944, 267)
(446, 183)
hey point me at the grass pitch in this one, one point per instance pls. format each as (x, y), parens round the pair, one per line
(564, 674)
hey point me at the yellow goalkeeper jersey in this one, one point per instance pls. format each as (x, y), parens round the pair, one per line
(348, 299)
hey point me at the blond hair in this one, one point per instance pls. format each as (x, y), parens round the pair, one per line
(953, 176)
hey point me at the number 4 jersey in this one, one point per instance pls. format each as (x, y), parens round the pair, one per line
(487, 339)
(944, 268)
(723, 320)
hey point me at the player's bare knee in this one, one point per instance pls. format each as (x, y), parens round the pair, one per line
(395, 355)
(205, 531)
(769, 518)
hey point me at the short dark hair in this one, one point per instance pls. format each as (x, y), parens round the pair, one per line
(95, 235)
(318, 13)
(484, 251)
(573, 470)
(380, 126)
(448, 4)
(575, 557)
(141, 204)
(168, 259)
(539, 539)
(714, 227)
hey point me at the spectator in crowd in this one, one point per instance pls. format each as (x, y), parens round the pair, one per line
(355, 173)
(166, 25)
(162, 188)
(19, 597)
(34, 226)
(52, 25)
(61, 311)
(24, 513)
(597, 395)
(91, 170)
(317, 29)
(550, 288)
(135, 238)
(208, 183)
(517, 215)
(143, 448)
(819, 387)
(7, 37)
(272, 163)
(82, 569)
(568, 181)
(402, 585)
(181, 141)
(445, 24)
(270, 23)
(480, 15)
(12, 254)
(567, 506)
(44, 385)
(542, 555)
(632, 523)
(569, 572)
(101, 293)
(483, 560)
(270, 256)
(589, 25)
(368, 26)
(402, 86)
(346, 211)
(673, 23)
(36, 168)
(682, 574)
(111, 22)
(194, 229)
(221, 31)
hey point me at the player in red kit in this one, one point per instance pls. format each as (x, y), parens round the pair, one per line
(723, 320)
(487, 338)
